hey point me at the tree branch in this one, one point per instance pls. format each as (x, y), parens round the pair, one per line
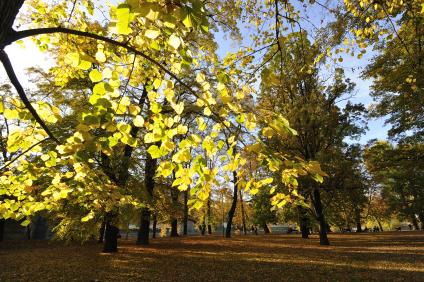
(23, 153)
(4, 58)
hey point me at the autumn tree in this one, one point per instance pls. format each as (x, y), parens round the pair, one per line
(291, 86)
(398, 169)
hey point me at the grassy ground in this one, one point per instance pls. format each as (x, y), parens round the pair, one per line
(351, 257)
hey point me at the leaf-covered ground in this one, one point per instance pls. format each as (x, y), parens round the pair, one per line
(351, 257)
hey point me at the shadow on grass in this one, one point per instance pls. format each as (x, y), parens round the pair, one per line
(382, 257)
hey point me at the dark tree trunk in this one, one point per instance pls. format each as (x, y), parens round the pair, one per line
(149, 182)
(174, 220)
(266, 229)
(174, 227)
(208, 212)
(102, 232)
(380, 226)
(8, 12)
(155, 223)
(303, 222)
(243, 214)
(144, 229)
(358, 219)
(421, 216)
(323, 239)
(232, 208)
(203, 226)
(185, 223)
(111, 238)
(2, 221)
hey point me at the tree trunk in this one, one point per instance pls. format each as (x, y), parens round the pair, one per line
(111, 238)
(102, 232)
(358, 219)
(185, 223)
(380, 226)
(144, 229)
(232, 208)
(203, 226)
(303, 221)
(243, 214)
(155, 223)
(8, 12)
(421, 216)
(174, 227)
(209, 216)
(174, 220)
(266, 229)
(323, 239)
(2, 223)
(149, 182)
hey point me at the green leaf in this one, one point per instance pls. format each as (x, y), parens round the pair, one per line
(89, 216)
(26, 222)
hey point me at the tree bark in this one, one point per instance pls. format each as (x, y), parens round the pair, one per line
(185, 223)
(358, 219)
(203, 226)
(421, 216)
(232, 208)
(208, 212)
(303, 222)
(266, 229)
(155, 223)
(8, 12)
(111, 238)
(174, 220)
(323, 239)
(149, 182)
(174, 227)
(243, 214)
(380, 226)
(102, 232)
(2, 223)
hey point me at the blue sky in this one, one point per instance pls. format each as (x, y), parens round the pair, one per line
(353, 66)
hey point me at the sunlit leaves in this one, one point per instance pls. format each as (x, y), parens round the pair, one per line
(72, 59)
(123, 15)
(95, 75)
(139, 121)
(174, 41)
(152, 34)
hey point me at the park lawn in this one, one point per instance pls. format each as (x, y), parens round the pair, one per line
(391, 256)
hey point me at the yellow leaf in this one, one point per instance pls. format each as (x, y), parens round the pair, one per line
(178, 108)
(174, 41)
(152, 33)
(95, 75)
(139, 121)
(72, 59)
